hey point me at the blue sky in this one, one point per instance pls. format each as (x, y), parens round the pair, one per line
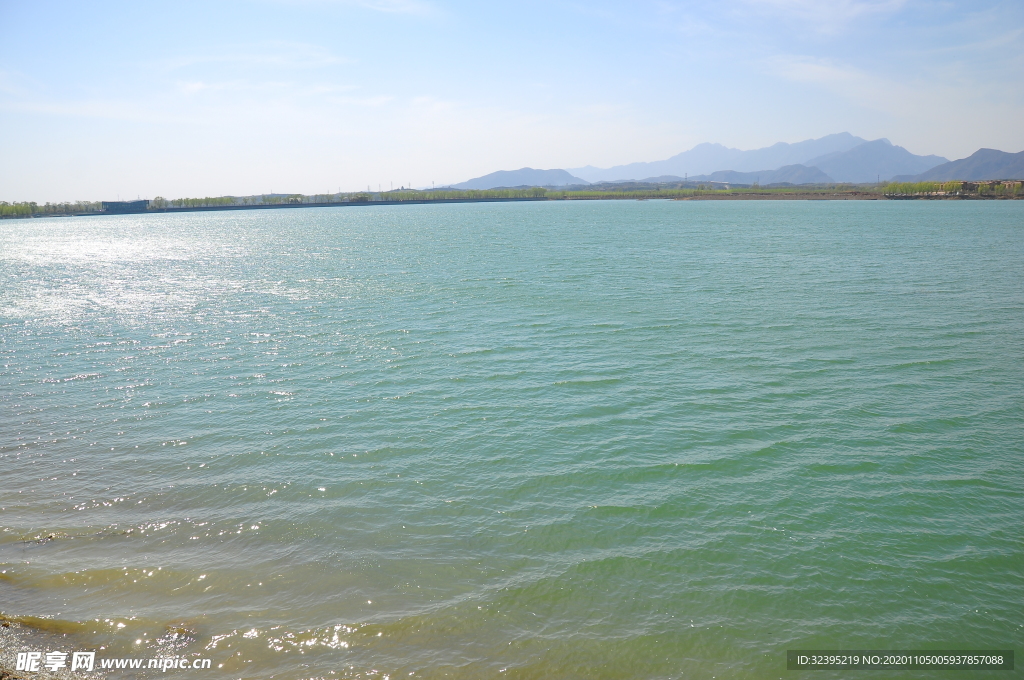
(107, 99)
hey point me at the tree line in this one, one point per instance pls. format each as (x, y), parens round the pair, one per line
(30, 208)
(957, 188)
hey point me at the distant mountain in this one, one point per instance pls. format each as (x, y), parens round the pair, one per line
(519, 178)
(662, 179)
(791, 174)
(704, 159)
(871, 161)
(782, 154)
(980, 165)
(701, 158)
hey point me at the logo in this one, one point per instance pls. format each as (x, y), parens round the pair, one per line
(54, 661)
(33, 662)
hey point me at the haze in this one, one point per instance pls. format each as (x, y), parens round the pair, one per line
(119, 99)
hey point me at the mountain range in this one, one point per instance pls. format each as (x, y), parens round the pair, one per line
(864, 163)
(981, 165)
(705, 159)
(521, 177)
(840, 157)
(872, 162)
(787, 174)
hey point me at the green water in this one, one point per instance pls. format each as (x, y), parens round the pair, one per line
(544, 440)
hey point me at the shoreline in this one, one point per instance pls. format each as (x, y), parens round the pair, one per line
(852, 196)
(285, 206)
(16, 636)
(738, 196)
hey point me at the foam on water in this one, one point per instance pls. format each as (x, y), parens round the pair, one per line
(543, 440)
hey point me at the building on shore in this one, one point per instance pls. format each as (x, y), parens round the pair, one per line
(124, 206)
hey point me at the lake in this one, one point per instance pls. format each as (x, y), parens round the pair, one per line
(601, 439)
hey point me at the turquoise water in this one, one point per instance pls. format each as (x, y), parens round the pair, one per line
(545, 440)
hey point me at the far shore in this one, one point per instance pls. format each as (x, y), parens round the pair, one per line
(680, 191)
(783, 196)
(847, 196)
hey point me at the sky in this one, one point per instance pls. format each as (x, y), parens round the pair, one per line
(107, 100)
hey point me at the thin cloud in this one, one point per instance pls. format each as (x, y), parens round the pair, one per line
(15, 84)
(904, 97)
(395, 6)
(189, 87)
(101, 109)
(826, 15)
(372, 101)
(279, 54)
(387, 6)
(854, 84)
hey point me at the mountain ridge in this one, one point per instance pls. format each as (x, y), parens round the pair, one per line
(846, 159)
(521, 177)
(873, 161)
(787, 174)
(983, 164)
(707, 158)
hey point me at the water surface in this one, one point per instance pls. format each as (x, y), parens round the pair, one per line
(539, 440)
